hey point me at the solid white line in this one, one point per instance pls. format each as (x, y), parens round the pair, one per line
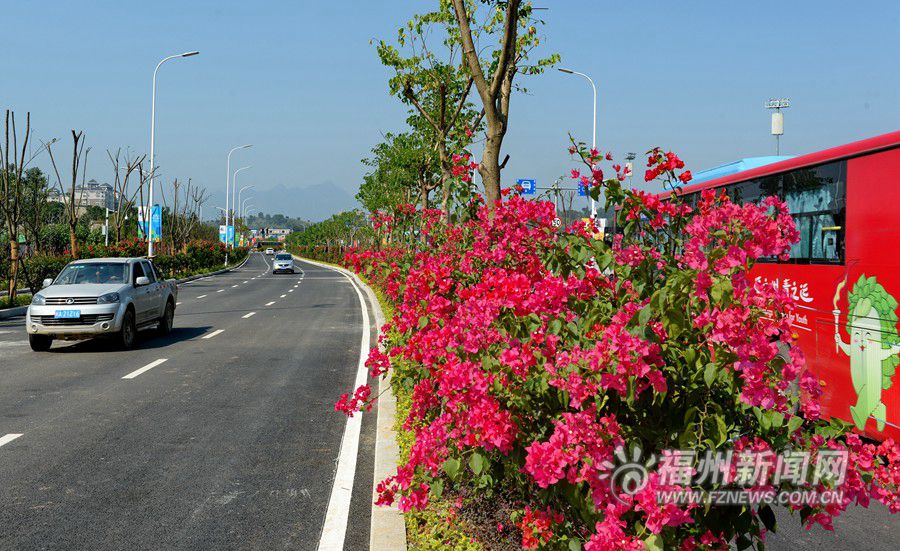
(214, 333)
(270, 303)
(147, 367)
(202, 296)
(8, 438)
(248, 315)
(335, 527)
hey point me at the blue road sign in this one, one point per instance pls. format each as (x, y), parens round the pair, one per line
(529, 187)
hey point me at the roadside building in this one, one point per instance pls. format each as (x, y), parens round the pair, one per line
(91, 194)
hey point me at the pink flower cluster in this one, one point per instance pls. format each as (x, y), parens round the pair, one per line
(532, 353)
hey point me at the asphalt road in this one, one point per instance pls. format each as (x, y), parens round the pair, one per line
(229, 440)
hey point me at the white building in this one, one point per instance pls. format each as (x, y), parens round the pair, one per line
(91, 194)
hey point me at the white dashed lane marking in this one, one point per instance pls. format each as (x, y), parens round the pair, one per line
(202, 296)
(270, 303)
(214, 333)
(245, 316)
(147, 367)
(8, 438)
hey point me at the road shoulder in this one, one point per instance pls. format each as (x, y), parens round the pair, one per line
(388, 529)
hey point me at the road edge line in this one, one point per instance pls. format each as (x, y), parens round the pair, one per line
(387, 531)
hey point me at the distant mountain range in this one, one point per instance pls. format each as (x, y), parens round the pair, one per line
(314, 202)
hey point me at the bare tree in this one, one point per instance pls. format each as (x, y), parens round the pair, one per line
(79, 160)
(124, 196)
(12, 163)
(184, 214)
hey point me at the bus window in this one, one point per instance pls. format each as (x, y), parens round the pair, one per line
(816, 197)
(754, 191)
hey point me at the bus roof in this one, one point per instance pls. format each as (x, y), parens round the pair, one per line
(854, 149)
(734, 167)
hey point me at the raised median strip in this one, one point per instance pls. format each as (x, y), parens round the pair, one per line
(387, 527)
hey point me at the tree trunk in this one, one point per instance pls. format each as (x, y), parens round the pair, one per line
(13, 269)
(489, 169)
(73, 242)
(423, 196)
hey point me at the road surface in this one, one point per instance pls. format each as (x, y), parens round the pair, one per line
(223, 436)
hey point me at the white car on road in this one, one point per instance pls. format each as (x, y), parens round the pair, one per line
(98, 297)
(283, 262)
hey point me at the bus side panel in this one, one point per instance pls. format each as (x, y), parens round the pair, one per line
(813, 287)
(868, 300)
(858, 302)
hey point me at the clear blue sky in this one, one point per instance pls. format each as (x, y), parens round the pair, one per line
(301, 81)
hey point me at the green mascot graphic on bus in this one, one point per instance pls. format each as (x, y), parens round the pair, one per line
(873, 348)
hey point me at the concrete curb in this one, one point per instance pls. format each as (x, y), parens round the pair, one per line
(388, 528)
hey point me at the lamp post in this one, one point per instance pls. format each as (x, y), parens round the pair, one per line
(594, 138)
(240, 193)
(227, 192)
(243, 208)
(153, 144)
(234, 204)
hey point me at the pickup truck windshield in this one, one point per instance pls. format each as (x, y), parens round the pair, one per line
(93, 272)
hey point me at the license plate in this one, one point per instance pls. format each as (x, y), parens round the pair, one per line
(67, 314)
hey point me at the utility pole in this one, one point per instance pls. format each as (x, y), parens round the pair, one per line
(778, 119)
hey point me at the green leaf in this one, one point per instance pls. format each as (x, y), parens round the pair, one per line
(451, 467)
(574, 545)
(437, 488)
(653, 543)
(423, 321)
(768, 517)
(644, 315)
(477, 462)
(709, 374)
(722, 429)
(795, 423)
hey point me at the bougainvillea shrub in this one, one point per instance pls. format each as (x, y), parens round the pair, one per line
(538, 356)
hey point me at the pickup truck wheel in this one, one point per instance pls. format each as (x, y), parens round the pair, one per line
(167, 319)
(40, 343)
(128, 333)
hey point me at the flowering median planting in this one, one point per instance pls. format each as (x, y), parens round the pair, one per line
(542, 362)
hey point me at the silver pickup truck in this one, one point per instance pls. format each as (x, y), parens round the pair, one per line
(99, 297)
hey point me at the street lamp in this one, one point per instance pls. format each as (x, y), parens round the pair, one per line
(240, 193)
(243, 205)
(594, 138)
(227, 192)
(234, 205)
(153, 144)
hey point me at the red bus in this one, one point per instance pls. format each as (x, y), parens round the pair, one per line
(844, 273)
